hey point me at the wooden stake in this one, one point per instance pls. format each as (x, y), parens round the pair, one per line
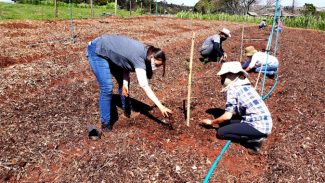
(241, 44)
(190, 82)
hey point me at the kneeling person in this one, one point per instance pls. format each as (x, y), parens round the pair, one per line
(259, 61)
(242, 100)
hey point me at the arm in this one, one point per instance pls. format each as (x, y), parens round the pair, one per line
(126, 80)
(217, 48)
(231, 105)
(225, 117)
(143, 82)
(151, 95)
(252, 63)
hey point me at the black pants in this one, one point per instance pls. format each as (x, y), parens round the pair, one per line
(239, 132)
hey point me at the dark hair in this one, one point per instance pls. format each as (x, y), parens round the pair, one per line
(157, 54)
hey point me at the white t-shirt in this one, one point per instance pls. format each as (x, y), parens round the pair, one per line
(260, 58)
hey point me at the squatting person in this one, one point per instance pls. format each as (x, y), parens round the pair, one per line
(258, 61)
(262, 24)
(242, 99)
(212, 50)
(117, 56)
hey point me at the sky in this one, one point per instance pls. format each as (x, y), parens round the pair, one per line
(317, 3)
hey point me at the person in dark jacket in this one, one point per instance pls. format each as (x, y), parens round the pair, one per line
(212, 50)
(117, 55)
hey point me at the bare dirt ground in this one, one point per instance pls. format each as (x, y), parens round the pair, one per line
(48, 96)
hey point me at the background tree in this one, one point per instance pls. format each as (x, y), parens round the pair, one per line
(309, 9)
(236, 6)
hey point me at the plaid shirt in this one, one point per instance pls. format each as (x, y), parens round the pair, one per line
(246, 102)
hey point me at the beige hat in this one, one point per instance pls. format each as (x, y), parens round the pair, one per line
(232, 67)
(225, 31)
(250, 51)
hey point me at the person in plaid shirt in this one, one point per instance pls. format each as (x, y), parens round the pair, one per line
(242, 99)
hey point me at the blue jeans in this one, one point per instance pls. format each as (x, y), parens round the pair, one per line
(101, 68)
(270, 69)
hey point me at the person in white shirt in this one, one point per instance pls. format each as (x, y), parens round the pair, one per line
(257, 61)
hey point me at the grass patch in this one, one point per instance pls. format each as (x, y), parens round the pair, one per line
(309, 22)
(46, 12)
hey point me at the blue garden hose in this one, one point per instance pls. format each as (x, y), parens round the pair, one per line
(206, 180)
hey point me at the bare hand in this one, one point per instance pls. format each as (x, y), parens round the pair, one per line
(125, 91)
(225, 56)
(164, 110)
(207, 121)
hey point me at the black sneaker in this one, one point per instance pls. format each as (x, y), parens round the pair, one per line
(106, 128)
(127, 113)
(93, 133)
(271, 76)
(254, 146)
(204, 60)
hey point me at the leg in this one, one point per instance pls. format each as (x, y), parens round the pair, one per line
(244, 134)
(101, 70)
(270, 69)
(125, 101)
(239, 132)
(205, 53)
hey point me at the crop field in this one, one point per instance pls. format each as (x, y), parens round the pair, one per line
(48, 96)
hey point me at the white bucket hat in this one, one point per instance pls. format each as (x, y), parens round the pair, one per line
(226, 32)
(232, 67)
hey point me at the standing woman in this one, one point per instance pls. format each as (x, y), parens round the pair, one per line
(118, 56)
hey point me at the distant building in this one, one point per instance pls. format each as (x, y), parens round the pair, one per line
(7, 1)
(322, 9)
(252, 14)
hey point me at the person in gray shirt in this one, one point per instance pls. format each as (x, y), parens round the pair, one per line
(212, 50)
(117, 55)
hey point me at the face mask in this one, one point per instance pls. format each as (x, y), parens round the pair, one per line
(153, 65)
(228, 81)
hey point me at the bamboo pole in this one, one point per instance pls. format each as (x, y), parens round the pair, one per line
(241, 44)
(190, 83)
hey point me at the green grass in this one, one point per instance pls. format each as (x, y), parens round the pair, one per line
(309, 22)
(46, 12)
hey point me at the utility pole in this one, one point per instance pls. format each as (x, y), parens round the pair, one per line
(55, 9)
(141, 6)
(91, 9)
(115, 7)
(156, 7)
(130, 6)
